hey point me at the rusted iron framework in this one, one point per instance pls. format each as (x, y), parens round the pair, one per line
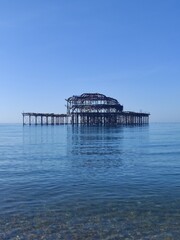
(98, 109)
(89, 109)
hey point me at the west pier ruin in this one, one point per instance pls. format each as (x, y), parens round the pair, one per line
(89, 109)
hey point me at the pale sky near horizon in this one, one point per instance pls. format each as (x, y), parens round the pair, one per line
(125, 49)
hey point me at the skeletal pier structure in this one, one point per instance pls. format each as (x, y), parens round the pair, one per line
(98, 109)
(44, 118)
(89, 109)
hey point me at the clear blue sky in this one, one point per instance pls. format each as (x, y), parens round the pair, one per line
(53, 49)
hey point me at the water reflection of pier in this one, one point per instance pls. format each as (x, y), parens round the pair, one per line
(94, 140)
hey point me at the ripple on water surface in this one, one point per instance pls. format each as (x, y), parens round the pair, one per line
(64, 182)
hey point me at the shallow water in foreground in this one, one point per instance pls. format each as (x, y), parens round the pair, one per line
(64, 182)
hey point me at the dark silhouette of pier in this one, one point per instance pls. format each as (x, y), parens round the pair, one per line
(89, 109)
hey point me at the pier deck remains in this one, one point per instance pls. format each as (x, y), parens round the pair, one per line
(44, 118)
(89, 109)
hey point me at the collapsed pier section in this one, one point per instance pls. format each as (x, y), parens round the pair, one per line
(44, 118)
(98, 109)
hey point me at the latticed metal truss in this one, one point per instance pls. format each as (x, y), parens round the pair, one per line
(93, 103)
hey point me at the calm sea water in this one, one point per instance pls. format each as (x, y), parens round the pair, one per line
(64, 182)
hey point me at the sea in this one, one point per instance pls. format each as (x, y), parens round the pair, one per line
(88, 182)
